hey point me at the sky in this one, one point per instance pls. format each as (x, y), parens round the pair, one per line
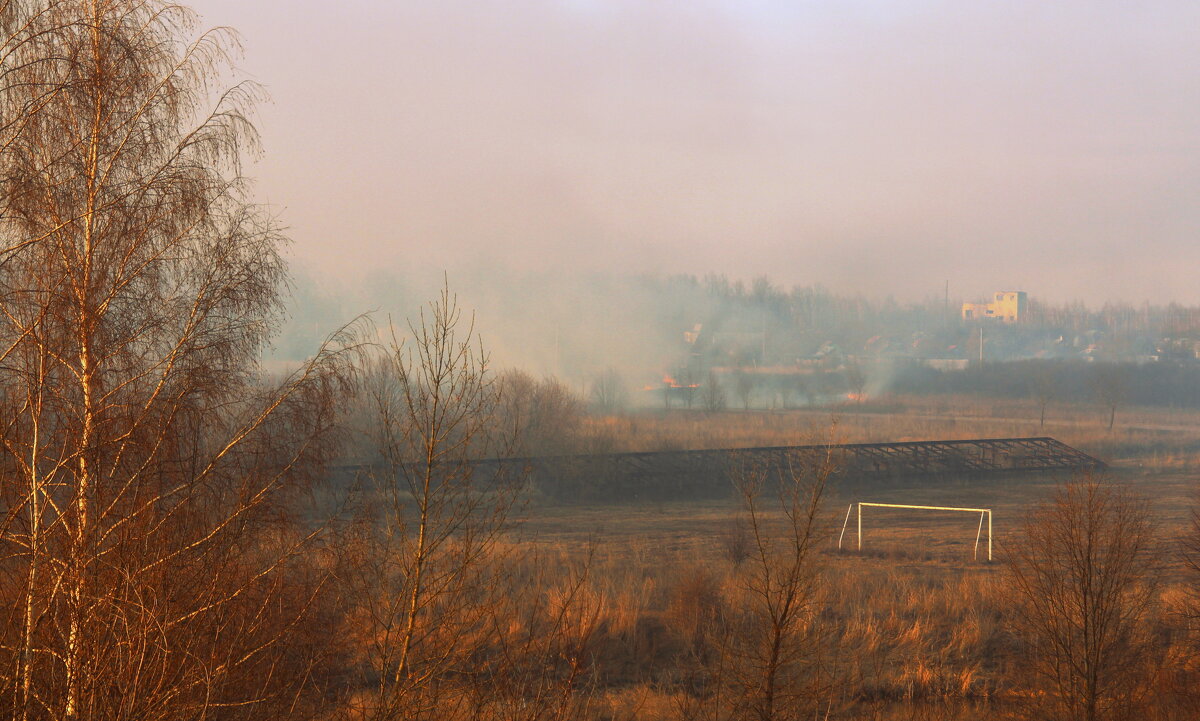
(870, 146)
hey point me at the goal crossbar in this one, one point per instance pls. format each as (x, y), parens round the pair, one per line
(983, 512)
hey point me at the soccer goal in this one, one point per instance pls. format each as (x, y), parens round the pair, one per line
(983, 513)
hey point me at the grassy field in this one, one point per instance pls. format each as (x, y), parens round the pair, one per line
(1156, 451)
(918, 623)
(1137, 432)
(697, 529)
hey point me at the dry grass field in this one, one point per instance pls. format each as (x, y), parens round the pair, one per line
(1157, 437)
(915, 626)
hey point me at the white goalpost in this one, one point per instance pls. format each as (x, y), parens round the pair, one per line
(983, 512)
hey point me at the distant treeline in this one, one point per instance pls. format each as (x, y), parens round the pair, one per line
(814, 306)
(637, 323)
(1152, 384)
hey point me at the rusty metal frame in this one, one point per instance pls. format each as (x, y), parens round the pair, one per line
(660, 470)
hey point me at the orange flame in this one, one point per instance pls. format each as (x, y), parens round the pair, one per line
(670, 382)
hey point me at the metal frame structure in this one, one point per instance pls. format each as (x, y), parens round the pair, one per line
(706, 473)
(910, 458)
(981, 511)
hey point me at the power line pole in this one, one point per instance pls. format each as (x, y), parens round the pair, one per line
(946, 308)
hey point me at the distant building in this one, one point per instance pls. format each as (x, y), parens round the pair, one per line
(1009, 306)
(947, 364)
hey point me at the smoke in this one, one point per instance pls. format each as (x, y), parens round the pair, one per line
(573, 327)
(549, 157)
(578, 326)
(869, 146)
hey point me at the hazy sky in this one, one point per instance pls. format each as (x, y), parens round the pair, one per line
(882, 147)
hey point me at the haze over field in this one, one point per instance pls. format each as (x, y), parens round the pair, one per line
(870, 146)
(657, 294)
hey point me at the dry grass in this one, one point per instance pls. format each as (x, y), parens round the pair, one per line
(918, 626)
(1154, 437)
(913, 627)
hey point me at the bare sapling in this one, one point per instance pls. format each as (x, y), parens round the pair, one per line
(426, 575)
(1084, 582)
(774, 657)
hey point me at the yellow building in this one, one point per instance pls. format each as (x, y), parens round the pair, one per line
(1009, 306)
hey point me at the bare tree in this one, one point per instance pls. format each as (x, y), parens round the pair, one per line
(1044, 391)
(712, 395)
(609, 395)
(540, 417)
(774, 649)
(1110, 384)
(734, 540)
(150, 567)
(743, 385)
(32, 71)
(424, 579)
(1083, 576)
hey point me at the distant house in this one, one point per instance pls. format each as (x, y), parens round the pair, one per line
(947, 364)
(1009, 306)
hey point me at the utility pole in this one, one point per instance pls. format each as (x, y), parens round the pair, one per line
(946, 308)
(980, 346)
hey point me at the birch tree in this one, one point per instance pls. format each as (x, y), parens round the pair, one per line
(150, 566)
